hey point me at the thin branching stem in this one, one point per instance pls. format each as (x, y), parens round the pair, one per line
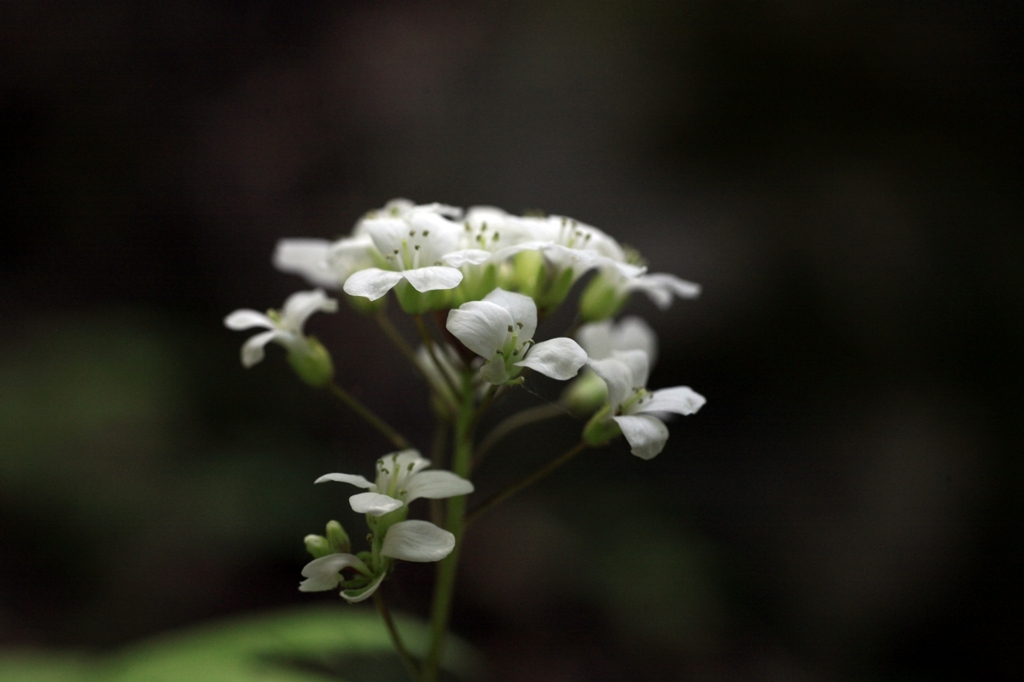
(410, 663)
(372, 419)
(398, 340)
(524, 483)
(513, 422)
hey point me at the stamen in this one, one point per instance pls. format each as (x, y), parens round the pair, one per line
(426, 233)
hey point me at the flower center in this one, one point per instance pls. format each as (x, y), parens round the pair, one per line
(640, 394)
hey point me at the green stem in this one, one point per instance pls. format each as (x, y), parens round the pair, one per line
(524, 483)
(445, 585)
(376, 422)
(396, 338)
(396, 639)
(516, 421)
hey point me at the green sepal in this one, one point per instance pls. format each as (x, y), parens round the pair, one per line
(419, 302)
(365, 306)
(601, 429)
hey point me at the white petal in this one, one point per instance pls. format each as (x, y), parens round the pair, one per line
(349, 255)
(481, 326)
(438, 235)
(617, 376)
(302, 304)
(356, 596)
(596, 339)
(405, 458)
(374, 504)
(679, 399)
(387, 234)
(371, 283)
(633, 333)
(638, 364)
(252, 350)
(433, 278)
(307, 258)
(661, 286)
(466, 257)
(559, 358)
(436, 485)
(417, 541)
(345, 478)
(522, 308)
(322, 574)
(646, 434)
(247, 319)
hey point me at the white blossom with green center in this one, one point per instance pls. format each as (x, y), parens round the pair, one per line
(500, 329)
(400, 480)
(634, 408)
(412, 247)
(285, 326)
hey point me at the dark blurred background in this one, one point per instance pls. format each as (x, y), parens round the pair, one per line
(843, 178)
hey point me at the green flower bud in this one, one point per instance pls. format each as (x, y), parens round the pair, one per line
(317, 545)
(601, 299)
(312, 362)
(586, 394)
(601, 429)
(338, 539)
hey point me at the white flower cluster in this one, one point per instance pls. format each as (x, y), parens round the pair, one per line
(428, 248)
(490, 276)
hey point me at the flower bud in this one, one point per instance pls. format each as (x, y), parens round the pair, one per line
(585, 395)
(600, 430)
(317, 546)
(337, 538)
(601, 299)
(312, 362)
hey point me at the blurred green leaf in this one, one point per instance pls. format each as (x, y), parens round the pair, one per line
(298, 645)
(42, 666)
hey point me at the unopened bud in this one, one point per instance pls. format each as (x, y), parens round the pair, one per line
(317, 545)
(337, 538)
(585, 395)
(312, 362)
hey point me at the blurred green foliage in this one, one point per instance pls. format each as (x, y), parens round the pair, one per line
(301, 645)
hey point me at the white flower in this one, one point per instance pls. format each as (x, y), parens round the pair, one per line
(405, 540)
(308, 259)
(285, 327)
(601, 339)
(568, 243)
(400, 480)
(634, 409)
(500, 329)
(414, 246)
(660, 287)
